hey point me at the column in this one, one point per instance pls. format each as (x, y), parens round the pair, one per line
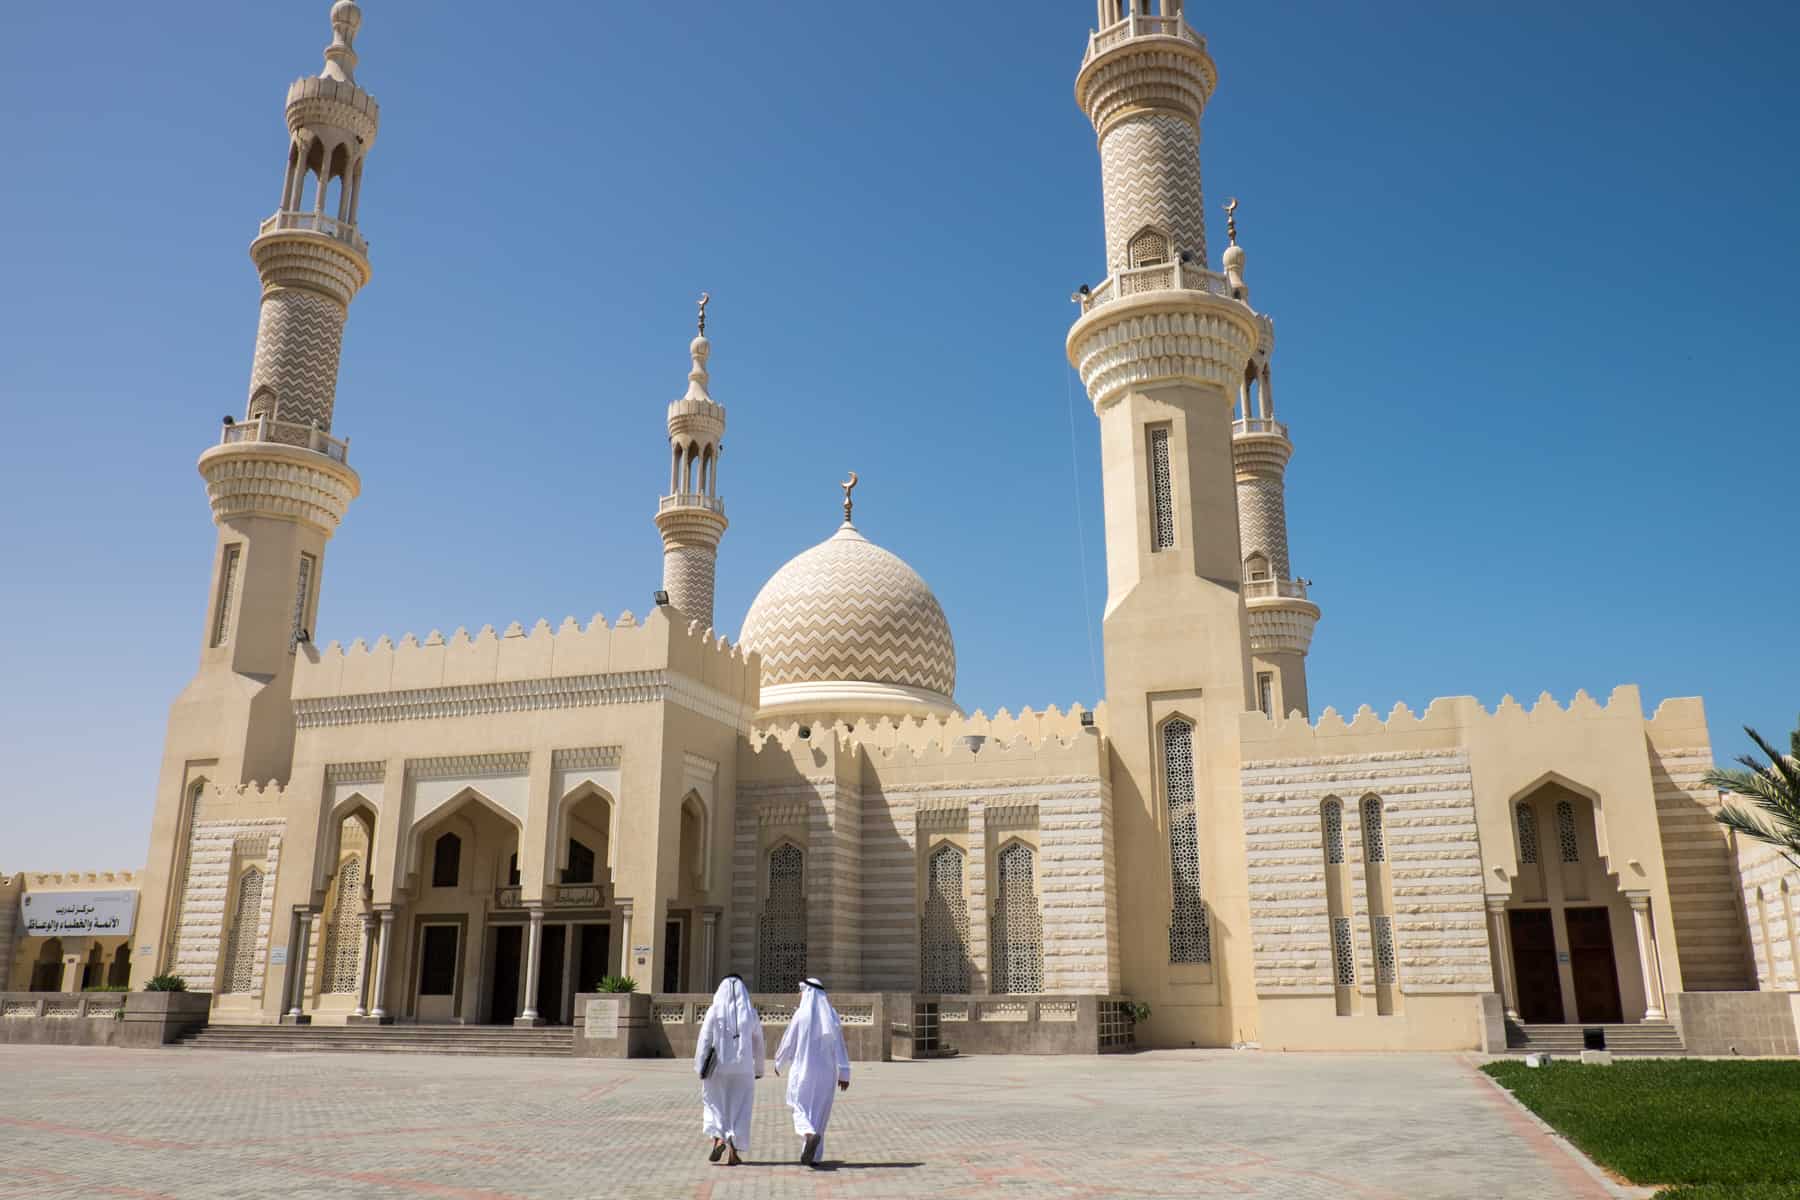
(563, 1001)
(362, 970)
(625, 937)
(297, 965)
(378, 1009)
(1500, 945)
(1647, 956)
(532, 942)
(709, 961)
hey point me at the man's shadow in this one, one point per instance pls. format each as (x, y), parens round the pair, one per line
(833, 1165)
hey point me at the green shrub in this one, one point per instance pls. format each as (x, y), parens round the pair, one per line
(1138, 1011)
(618, 983)
(166, 983)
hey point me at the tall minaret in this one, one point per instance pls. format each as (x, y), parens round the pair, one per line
(278, 481)
(1281, 616)
(1161, 346)
(691, 518)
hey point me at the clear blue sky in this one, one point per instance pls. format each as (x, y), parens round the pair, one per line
(1533, 268)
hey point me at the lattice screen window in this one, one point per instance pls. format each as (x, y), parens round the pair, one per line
(944, 946)
(1384, 950)
(1374, 839)
(240, 947)
(1148, 248)
(1190, 932)
(341, 958)
(781, 932)
(228, 572)
(1333, 818)
(302, 592)
(1528, 839)
(1162, 491)
(1017, 946)
(1565, 832)
(1343, 952)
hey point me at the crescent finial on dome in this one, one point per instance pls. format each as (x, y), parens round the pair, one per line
(849, 485)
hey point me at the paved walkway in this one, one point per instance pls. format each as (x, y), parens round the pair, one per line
(195, 1124)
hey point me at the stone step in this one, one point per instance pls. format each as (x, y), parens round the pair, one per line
(494, 1040)
(1648, 1037)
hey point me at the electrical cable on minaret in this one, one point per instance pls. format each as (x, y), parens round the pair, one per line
(691, 518)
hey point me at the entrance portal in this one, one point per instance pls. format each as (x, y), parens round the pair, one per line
(503, 1003)
(1534, 966)
(1591, 963)
(437, 972)
(550, 974)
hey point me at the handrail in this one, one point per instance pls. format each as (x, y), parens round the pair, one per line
(316, 222)
(285, 433)
(691, 500)
(1177, 275)
(1246, 425)
(1265, 589)
(1140, 25)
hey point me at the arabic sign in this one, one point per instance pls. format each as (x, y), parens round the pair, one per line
(55, 914)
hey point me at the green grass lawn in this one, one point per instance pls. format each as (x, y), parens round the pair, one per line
(1721, 1130)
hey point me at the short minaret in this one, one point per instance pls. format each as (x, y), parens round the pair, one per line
(1281, 617)
(691, 518)
(279, 482)
(1161, 345)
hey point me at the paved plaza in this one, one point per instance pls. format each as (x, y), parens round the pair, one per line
(192, 1124)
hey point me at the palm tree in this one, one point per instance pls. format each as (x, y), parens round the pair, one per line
(1772, 787)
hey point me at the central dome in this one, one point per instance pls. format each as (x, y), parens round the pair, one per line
(849, 628)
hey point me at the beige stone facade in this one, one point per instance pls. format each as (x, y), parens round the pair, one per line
(478, 828)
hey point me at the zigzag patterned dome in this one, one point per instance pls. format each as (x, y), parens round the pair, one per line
(848, 628)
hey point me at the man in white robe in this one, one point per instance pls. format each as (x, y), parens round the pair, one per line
(732, 1036)
(818, 1067)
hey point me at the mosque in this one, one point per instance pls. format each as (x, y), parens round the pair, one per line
(478, 828)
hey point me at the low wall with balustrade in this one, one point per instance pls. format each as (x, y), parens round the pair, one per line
(100, 1018)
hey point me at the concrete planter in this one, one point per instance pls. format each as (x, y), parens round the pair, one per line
(158, 1018)
(612, 1025)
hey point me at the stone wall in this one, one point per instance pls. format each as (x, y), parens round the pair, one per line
(1703, 893)
(1434, 858)
(1731, 1023)
(1771, 896)
(206, 898)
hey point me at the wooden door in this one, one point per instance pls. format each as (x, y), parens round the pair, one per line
(1592, 963)
(1534, 966)
(509, 942)
(550, 974)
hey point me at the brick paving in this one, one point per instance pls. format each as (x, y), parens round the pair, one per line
(195, 1124)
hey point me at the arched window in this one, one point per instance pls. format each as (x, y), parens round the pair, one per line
(1190, 932)
(1256, 567)
(1162, 491)
(240, 946)
(1148, 247)
(1528, 838)
(119, 974)
(1017, 946)
(1374, 841)
(46, 972)
(1331, 816)
(781, 932)
(446, 861)
(341, 958)
(1566, 841)
(944, 948)
(581, 864)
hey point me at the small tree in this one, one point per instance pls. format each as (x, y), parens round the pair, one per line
(166, 983)
(1773, 789)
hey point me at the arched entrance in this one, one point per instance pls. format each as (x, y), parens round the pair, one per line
(464, 870)
(1572, 935)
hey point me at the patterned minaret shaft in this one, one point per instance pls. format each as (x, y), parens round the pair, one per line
(1281, 617)
(1161, 346)
(310, 255)
(691, 518)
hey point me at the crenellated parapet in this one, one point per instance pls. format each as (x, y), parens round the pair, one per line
(520, 670)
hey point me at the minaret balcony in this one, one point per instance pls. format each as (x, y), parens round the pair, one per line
(1258, 427)
(286, 433)
(316, 222)
(699, 500)
(1136, 26)
(1275, 589)
(1161, 277)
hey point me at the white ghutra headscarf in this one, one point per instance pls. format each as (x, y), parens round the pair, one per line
(729, 1023)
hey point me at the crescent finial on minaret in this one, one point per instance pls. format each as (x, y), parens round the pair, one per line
(849, 485)
(1231, 219)
(705, 299)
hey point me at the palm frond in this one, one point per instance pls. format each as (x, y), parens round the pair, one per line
(1773, 789)
(1749, 825)
(1780, 765)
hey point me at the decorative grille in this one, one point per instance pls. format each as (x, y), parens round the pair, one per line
(1017, 946)
(227, 594)
(1384, 949)
(342, 953)
(1190, 933)
(1374, 843)
(1528, 847)
(781, 941)
(944, 948)
(1148, 248)
(1334, 832)
(1343, 952)
(302, 589)
(1565, 832)
(1162, 494)
(240, 947)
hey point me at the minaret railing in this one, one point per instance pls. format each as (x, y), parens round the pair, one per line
(1140, 25)
(1167, 276)
(316, 222)
(691, 500)
(1245, 425)
(1269, 589)
(286, 433)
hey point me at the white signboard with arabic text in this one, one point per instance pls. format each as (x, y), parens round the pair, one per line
(62, 914)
